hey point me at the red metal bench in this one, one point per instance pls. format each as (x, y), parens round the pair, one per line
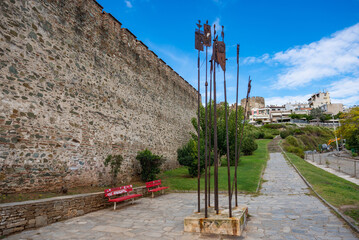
(154, 186)
(120, 190)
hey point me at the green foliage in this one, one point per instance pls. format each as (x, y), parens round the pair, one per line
(285, 133)
(301, 116)
(249, 146)
(317, 113)
(297, 140)
(296, 150)
(187, 156)
(268, 136)
(249, 168)
(349, 128)
(115, 164)
(274, 126)
(150, 164)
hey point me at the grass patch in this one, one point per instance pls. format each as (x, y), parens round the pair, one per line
(335, 190)
(249, 171)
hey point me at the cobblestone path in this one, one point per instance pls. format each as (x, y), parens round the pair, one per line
(284, 210)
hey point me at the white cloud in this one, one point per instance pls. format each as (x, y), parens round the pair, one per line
(345, 91)
(329, 57)
(250, 60)
(334, 56)
(128, 4)
(287, 99)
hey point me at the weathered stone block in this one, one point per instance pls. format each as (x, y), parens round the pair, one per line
(41, 221)
(218, 223)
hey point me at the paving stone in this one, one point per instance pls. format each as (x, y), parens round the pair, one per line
(285, 211)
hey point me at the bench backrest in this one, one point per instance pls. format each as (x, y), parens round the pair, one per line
(153, 183)
(119, 190)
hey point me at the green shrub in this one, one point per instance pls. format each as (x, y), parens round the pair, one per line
(187, 156)
(284, 134)
(268, 136)
(115, 164)
(298, 131)
(292, 141)
(296, 150)
(224, 161)
(150, 164)
(274, 126)
(249, 146)
(261, 135)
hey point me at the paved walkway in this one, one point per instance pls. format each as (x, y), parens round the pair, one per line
(284, 210)
(335, 172)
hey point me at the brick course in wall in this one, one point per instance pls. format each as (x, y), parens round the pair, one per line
(16, 217)
(74, 87)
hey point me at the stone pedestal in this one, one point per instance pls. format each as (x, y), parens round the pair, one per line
(218, 223)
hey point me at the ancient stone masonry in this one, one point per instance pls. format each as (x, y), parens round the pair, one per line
(253, 102)
(74, 87)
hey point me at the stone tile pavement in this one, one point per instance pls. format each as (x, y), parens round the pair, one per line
(284, 210)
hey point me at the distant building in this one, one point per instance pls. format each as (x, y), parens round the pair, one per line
(296, 106)
(319, 99)
(260, 114)
(253, 102)
(333, 108)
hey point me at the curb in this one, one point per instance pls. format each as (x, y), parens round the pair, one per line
(345, 218)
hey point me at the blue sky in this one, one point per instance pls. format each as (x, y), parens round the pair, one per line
(290, 48)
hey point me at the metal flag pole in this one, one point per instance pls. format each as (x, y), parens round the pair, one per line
(240, 141)
(210, 133)
(215, 147)
(236, 136)
(198, 142)
(199, 47)
(207, 42)
(227, 137)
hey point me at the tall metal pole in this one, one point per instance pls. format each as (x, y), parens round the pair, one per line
(227, 138)
(223, 63)
(199, 47)
(210, 133)
(240, 139)
(236, 137)
(198, 142)
(205, 146)
(215, 147)
(336, 139)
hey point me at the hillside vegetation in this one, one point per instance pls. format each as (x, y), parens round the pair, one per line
(300, 139)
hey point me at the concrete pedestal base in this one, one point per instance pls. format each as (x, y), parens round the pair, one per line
(218, 223)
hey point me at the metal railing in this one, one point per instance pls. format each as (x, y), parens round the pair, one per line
(342, 164)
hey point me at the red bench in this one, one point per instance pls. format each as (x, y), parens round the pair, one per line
(154, 186)
(120, 190)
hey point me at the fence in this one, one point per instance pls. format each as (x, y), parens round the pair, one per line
(342, 164)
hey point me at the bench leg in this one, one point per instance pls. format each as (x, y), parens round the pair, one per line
(153, 194)
(163, 191)
(114, 206)
(133, 200)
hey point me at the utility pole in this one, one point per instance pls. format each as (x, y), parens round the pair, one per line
(336, 139)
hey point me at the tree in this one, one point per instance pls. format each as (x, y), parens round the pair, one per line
(115, 164)
(349, 128)
(150, 164)
(187, 155)
(317, 113)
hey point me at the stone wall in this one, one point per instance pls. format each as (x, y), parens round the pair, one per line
(253, 102)
(16, 217)
(74, 87)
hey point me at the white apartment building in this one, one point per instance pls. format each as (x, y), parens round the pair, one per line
(319, 99)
